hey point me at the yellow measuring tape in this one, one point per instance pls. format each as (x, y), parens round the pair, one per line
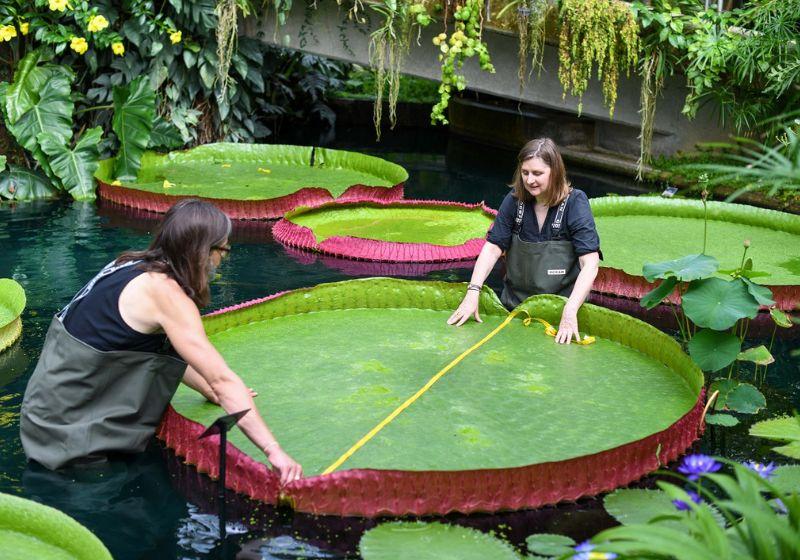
(548, 329)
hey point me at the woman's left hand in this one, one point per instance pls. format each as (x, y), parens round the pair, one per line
(568, 327)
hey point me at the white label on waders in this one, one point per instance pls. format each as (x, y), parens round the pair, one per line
(556, 272)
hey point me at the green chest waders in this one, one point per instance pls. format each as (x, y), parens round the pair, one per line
(84, 403)
(544, 267)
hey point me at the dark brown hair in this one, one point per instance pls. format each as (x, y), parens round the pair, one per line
(546, 150)
(182, 246)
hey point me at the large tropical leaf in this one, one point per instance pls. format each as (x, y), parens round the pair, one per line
(717, 304)
(75, 167)
(434, 541)
(20, 183)
(43, 106)
(134, 111)
(165, 134)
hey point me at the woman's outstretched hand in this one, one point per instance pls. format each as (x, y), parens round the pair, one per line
(288, 469)
(568, 327)
(468, 307)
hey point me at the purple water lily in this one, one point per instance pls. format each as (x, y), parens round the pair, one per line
(764, 471)
(695, 466)
(680, 505)
(585, 551)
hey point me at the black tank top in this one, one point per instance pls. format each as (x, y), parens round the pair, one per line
(96, 320)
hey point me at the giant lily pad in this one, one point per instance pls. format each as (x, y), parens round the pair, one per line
(432, 541)
(253, 181)
(402, 231)
(376, 342)
(31, 530)
(630, 226)
(12, 303)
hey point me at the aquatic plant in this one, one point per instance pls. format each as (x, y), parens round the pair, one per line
(695, 466)
(785, 429)
(742, 515)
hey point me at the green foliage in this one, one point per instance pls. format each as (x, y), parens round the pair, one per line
(20, 183)
(12, 300)
(718, 304)
(74, 167)
(762, 520)
(465, 42)
(134, 111)
(601, 34)
(684, 269)
(725, 420)
(431, 541)
(360, 84)
(637, 506)
(547, 544)
(713, 350)
(785, 429)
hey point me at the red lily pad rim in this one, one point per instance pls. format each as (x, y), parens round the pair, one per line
(293, 235)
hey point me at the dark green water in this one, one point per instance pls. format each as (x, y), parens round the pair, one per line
(154, 507)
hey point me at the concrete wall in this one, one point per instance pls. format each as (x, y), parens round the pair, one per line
(326, 31)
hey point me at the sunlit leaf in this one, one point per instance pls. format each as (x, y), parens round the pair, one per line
(713, 350)
(690, 267)
(657, 295)
(758, 355)
(745, 398)
(717, 304)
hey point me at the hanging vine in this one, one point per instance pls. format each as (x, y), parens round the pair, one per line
(531, 23)
(601, 33)
(465, 42)
(388, 45)
(227, 28)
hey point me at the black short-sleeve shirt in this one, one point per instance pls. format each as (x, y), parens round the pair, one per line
(580, 227)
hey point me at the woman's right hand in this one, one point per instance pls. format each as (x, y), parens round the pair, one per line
(288, 469)
(468, 307)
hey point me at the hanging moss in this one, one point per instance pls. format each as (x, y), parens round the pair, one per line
(596, 33)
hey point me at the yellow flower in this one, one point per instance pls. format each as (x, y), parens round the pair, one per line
(97, 23)
(24, 27)
(7, 32)
(79, 45)
(58, 5)
(264, 170)
(226, 165)
(175, 37)
(116, 183)
(118, 48)
(167, 184)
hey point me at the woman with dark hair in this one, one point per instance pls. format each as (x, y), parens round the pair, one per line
(547, 232)
(107, 372)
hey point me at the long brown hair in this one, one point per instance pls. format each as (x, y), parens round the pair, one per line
(182, 246)
(546, 150)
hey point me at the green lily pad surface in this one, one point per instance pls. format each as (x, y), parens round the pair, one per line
(638, 230)
(442, 225)
(12, 304)
(432, 541)
(257, 172)
(30, 530)
(331, 362)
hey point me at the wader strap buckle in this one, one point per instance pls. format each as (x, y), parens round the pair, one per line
(556, 225)
(110, 268)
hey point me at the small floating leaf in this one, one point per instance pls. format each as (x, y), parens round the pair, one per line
(758, 355)
(721, 420)
(548, 544)
(746, 399)
(781, 319)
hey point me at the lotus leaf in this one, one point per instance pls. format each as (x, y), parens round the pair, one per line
(758, 355)
(780, 318)
(657, 295)
(628, 226)
(441, 225)
(433, 541)
(685, 269)
(761, 294)
(713, 350)
(342, 356)
(746, 398)
(257, 172)
(31, 530)
(548, 544)
(725, 420)
(785, 429)
(637, 506)
(717, 304)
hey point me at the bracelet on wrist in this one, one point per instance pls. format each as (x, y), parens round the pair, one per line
(474, 287)
(270, 446)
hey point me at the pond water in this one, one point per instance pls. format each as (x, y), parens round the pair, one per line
(155, 507)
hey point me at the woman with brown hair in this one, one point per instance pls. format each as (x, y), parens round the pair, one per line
(547, 232)
(107, 370)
